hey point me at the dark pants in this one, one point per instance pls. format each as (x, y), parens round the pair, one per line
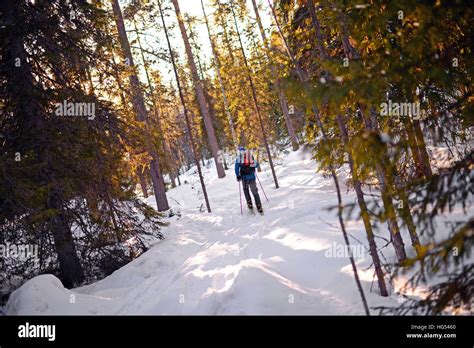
(253, 186)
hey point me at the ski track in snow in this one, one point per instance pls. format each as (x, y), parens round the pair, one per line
(228, 263)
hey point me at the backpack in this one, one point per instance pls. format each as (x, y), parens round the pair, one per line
(247, 166)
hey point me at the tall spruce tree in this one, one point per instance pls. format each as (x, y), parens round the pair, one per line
(63, 184)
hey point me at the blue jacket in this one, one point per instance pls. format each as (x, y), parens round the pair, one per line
(248, 176)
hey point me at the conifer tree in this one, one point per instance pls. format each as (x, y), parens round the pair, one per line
(201, 98)
(64, 183)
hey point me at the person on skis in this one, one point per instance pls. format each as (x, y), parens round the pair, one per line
(245, 166)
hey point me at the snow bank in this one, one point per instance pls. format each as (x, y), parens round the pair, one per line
(38, 296)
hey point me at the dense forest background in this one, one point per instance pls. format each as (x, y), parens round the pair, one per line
(103, 103)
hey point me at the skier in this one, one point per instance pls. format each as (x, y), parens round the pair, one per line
(245, 166)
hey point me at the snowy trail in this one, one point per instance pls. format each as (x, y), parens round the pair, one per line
(228, 263)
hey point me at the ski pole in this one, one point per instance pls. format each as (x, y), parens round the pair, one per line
(262, 187)
(240, 195)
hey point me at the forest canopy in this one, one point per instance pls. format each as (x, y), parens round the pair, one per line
(104, 104)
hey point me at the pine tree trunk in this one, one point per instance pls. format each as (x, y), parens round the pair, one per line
(364, 212)
(349, 51)
(140, 173)
(279, 90)
(225, 163)
(425, 158)
(141, 112)
(186, 115)
(254, 97)
(414, 148)
(286, 112)
(393, 227)
(382, 172)
(119, 81)
(302, 78)
(177, 177)
(319, 37)
(405, 208)
(156, 109)
(406, 216)
(203, 105)
(387, 199)
(221, 82)
(142, 180)
(71, 272)
(173, 179)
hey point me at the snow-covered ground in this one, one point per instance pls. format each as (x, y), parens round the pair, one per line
(288, 261)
